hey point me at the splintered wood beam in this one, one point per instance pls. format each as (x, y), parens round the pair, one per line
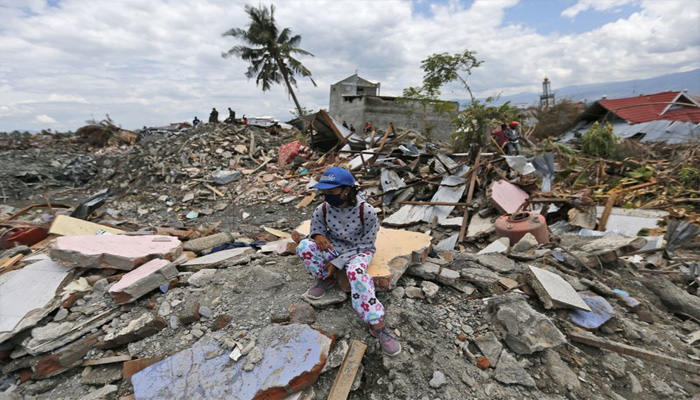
(589, 339)
(470, 194)
(606, 213)
(347, 371)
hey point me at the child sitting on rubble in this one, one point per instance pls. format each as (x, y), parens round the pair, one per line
(343, 232)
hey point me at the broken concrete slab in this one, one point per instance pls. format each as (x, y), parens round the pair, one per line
(483, 278)
(292, 359)
(560, 373)
(609, 248)
(600, 313)
(553, 290)
(449, 243)
(53, 336)
(103, 393)
(497, 262)
(101, 375)
(499, 245)
(490, 347)
(143, 280)
(141, 327)
(510, 372)
(219, 257)
(64, 359)
(507, 197)
(523, 329)
(68, 226)
(397, 249)
(114, 251)
(628, 222)
(29, 294)
(479, 227)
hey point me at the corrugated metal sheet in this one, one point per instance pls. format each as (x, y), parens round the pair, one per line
(653, 131)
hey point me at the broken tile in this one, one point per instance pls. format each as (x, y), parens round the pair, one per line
(143, 280)
(29, 294)
(292, 359)
(114, 251)
(554, 291)
(479, 226)
(497, 246)
(507, 197)
(601, 312)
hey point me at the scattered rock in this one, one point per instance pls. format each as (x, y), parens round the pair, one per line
(615, 364)
(429, 289)
(560, 373)
(302, 313)
(413, 292)
(490, 347)
(438, 380)
(510, 372)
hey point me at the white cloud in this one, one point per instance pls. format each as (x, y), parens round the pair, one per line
(598, 5)
(155, 62)
(45, 119)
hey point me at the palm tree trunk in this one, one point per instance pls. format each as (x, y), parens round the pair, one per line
(284, 72)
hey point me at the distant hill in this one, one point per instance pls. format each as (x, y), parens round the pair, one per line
(678, 81)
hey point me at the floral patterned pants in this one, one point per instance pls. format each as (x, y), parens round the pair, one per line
(363, 298)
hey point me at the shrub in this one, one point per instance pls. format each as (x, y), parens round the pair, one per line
(600, 141)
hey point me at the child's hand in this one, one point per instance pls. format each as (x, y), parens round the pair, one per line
(329, 271)
(296, 237)
(323, 243)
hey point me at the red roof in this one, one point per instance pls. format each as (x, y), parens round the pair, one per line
(654, 107)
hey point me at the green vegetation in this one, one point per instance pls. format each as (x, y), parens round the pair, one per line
(690, 177)
(600, 141)
(271, 52)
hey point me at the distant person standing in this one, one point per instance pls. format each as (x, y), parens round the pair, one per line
(352, 128)
(513, 136)
(244, 120)
(500, 136)
(368, 128)
(345, 125)
(195, 122)
(231, 116)
(214, 116)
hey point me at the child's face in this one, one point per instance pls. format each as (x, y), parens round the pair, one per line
(336, 190)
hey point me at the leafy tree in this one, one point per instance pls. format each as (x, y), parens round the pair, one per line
(270, 52)
(476, 117)
(600, 141)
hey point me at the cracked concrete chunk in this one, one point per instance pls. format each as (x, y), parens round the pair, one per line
(144, 326)
(510, 372)
(523, 329)
(292, 359)
(560, 373)
(114, 251)
(490, 347)
(142, 280)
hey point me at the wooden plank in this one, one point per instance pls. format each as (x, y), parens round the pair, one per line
(69, 226)
(213, 189)
(580, 336)
(9, 263)
(470, 194)
(606, 212)
(347, 371)
(432, 203)
(277, 232)
(306, 200)
(107, 360)
(130, 368)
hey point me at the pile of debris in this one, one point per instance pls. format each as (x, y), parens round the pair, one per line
(502, 277)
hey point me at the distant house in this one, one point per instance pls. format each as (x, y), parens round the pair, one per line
(671, 117)
(357, 101)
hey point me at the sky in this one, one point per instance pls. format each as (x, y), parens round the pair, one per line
(151, 63)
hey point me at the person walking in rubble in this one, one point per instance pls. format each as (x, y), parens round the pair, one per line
(214, 116)
(231, 116)
(195, 121)
(343, 233)
(513, 136)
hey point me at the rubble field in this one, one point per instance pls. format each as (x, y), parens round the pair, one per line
(158, 264)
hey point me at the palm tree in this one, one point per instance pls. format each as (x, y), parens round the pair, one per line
(270, 53)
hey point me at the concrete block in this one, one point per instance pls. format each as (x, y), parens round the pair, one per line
(143, 280)
(114, 251)
(292, 359)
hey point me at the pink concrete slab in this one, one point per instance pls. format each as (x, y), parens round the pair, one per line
(138, 274)
(114, 251)
(508, 197)
(142, 280)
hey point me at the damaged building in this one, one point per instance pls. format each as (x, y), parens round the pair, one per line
(357, 101)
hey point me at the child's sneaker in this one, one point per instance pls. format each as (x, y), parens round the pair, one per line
(319, 290)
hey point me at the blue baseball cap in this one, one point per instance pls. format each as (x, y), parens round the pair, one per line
(334, 177)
